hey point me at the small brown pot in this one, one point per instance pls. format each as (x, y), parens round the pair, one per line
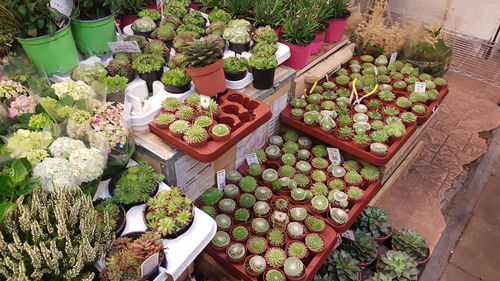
(209, 80)
(198, 144)
(381, 240)
(246, 267)
(236, 261)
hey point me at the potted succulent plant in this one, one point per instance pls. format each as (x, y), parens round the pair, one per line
(220, 240)
(206, 66)
(121, 67)
(149, 67)
(398, 265)
(274, 275)
(338, 216)
(314, 242)
(255, 265)
(263, 69)
(259, 226)
(275, 257)
(219, 15)
(338, 13)
(129, 190)
(235, 68)
(196, 136)
(220, 132)
(176, 81)
(256, 245)
(181, 42)
(294, 268)
(261, 208)
(143, 27)
(239, 39)
(344, 266)
(298, 34)
(319, 204)
(419, 109)
(374, 222)
(216, 28)
(153, 14)
(265, 34)
(115, 212)
(169, 213)
(164, 120)
(314, 224)
(165, 34)
(276, 238)
(363, 248)
(412, 243)
(263, 193)
(240, 233)
(236, 252)
(223, 222)
(129, 11)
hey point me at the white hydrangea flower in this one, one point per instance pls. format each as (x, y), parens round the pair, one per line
(64, 146)
(87, 164)
(54, 174)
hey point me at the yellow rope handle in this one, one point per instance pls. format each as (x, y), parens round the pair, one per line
(354, 87)
(371, 93)
(314, 85)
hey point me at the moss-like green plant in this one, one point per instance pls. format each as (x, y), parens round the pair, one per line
(233, 176)
(299, 103)
(403, 102)
(342, 80)
(260, 225)
(373, 221)
(315, 98)
(314, 224)
(209, 210)
(336, 184)
(248, 184)
(312, 117)
(235, 251)
(319, 203)
(263, 193)
(211, 196)
(240, 233)
(319, 188)
(195, 134)
(353, 178)
(345, 132)
(297, 249)
(386, 96)
(312, 107)
(398, 265)
(164, 119)
(261, 208)
(288, 159)
(275, 257)
(301, 180)
(374, 104)
(255, 169)
(379, 136)
(274, 275)
(241, 215)
(223, 221)
(318, 176)
(286, 171)
(221, 239)
(185, 113)
(319, 151)
(220, 130)
(136, 184)
(269, 175)
(370, 172)
(440, 81)
(319, 163)
(361, 139)
(355, 193)
(297, 112)
(422, 97)
(280, 204)
(247, 200)
(419, 108)
(391, 111)
(408, 117)
(273, 151)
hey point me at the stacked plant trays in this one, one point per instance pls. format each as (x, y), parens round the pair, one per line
(237, 113)
(376, 128)
(290, 192)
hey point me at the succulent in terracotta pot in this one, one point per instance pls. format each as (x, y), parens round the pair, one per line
(338, 216)
(261, 208)
(319, 203)
(276, 237)
(227, 205)
(256, 245)
(293, 267)
(221, 239)
(314, 224)
(315, 242)
(236, 251)
(295, 229)
(256, 264)
(223, 221)
(275, 257)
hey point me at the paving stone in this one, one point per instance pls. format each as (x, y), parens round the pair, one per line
(434, 139)
(453, 273)
(460, 134)
(474, 150)
(477, 251)
(456, 143)
(487, 206)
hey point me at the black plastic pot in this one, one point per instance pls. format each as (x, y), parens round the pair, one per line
(181, 231)
(239, 48)
(169, 43)
(235, 76)
(263, 79)
(150, 77)
(116, 97)
(112, 185)
(145, 34)
(177, 89)
(120, 224)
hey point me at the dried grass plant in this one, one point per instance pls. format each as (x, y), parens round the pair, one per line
(374, 35)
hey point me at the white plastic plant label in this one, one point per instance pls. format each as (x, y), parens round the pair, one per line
(393, 58)
(64, 7)
(348, 235)
(205, 101)
(221, 179)
(334, 155)
(420, 87)
(150, 264)
(252, 159)
(124, 47)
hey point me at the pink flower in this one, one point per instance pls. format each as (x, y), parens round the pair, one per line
(21, 105)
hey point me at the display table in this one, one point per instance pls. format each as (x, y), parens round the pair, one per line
(181, 251)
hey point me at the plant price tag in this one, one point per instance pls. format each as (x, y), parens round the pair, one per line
(339, 241)
(221, 179)
(420, 87)
(205, 101)
(124, 47)
(348, 235)
(64, 7)
(252, 159)
(334, 155)
(150, 264)
(393, 58)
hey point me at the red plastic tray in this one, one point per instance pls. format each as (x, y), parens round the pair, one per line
(241, 113)
(312, 264)
(432, 107)
(348, 147)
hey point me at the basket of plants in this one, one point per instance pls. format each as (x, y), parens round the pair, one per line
(135, 185)
(257, 239)
(298, 169)
(206, 134)
(169, 213)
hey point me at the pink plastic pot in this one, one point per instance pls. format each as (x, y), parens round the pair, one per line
(335, 30)
(278, 31)
(195, 5)
(299, 55)
(152, 6)
(318, 42)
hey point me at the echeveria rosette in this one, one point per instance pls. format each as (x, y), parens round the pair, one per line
(78, 90)
(31, 145)
(22, 105)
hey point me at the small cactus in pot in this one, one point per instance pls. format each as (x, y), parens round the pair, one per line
(257, 245)
(293, 267)
(255, 265)
(236, 252)
(275, 257)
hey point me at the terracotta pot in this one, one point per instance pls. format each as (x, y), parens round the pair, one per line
(231, 231)
(260, 236)
(299, 55)
(198, 144)
(381, 240)
(420, 114)
(209, 80)
(246, 267)
(335, 30)
(240, 260)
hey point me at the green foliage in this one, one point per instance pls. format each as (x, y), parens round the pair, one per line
(280, 204)
(221, 130)
(370, 172)
(136, 184)
(386, 96)
(220, 239)
(203, 52)
(361, 139)
(176, 77)
(157, 47)
(193, 30)
(240, 233)
(150, 13)
(210, 196)
(110, 84)
(248, 184)
(120, 66)
(343, 266)
(247, 200)
(264, 49)
(165, 119)
(219, 15)
(345, 132)
(238, 8)
(262, 62)
(175, 8)
(390, 111)
(95, 9)
(353, 178)
(286, 171)
(374, 222)
(143, 25)
(145, 63)
(267, 35)
(274, 275)
(209, 210)
(314, 224)
(255, 169)
(216, 28)
(257, 245)
(235, 64)
(242, 215)
(419, 108)
(194, 18)
(275, 257)
(288, 159)
(15, 182)
(227, 205)
(195, 134)
(290, 147)
(276, 237)
(181, 41)
(299, 29)
(408, 117)
(319, 188)
(315, 242)
(395, 129)
(410, 242)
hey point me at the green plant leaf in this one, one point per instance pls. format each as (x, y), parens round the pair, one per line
(22, 10)
(24, 118)
(27, 186)
(19, 172)
(50, 93)
(6, 187)
(67, 101)
(4, 208)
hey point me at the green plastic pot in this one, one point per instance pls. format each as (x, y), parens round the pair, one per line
(52, 54)
(92, 36)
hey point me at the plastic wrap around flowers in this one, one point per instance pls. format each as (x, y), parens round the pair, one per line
(108, 126)
(78, 90)
(10, 90)
(32, 145)
(71, 165)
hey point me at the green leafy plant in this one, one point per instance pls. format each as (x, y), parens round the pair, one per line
(374, 221)
(379, 136)
(268, 12)
(121, 67)
(379, 277)
(238, 8)
(193, 30)
(257, 245)
(248, 184)
(145, 63)
(93, 10)
(315, 242)
(209, 210)
(175, 77)
(164, 33)
(319, 203)
(195, 134)
(247, 200)
(361, 139)
(202, 52)
(297, 112)
(181, 42)
(345, 132)
(227, 205)
(256, 264)
(221, 239)
(386, 96)
(390, 111)
(236, 251)
(276, 237)
(314, 224)
(303, 167)
(223, 221)
(293, 267)
(241, 215)
(150, 13)
(164, 119)
(136, 184)
(288, 159)
(336, 184)
(319, 188)
(211, 196)
(216, 28)
(410, 242)
(157, 47)
(419, 108)
(144, 25)
(265, 34)
(318, 176)
(370, 172)
(408, 117)
(344, 266)
(262, 62)
(179, 126)
(219, 15)
(235, 64)
(398, 265)
(299, 29)
(264, 49)
(280, 204)
(194, 18)
(175, 8)
(274, 275)
(395, 129)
